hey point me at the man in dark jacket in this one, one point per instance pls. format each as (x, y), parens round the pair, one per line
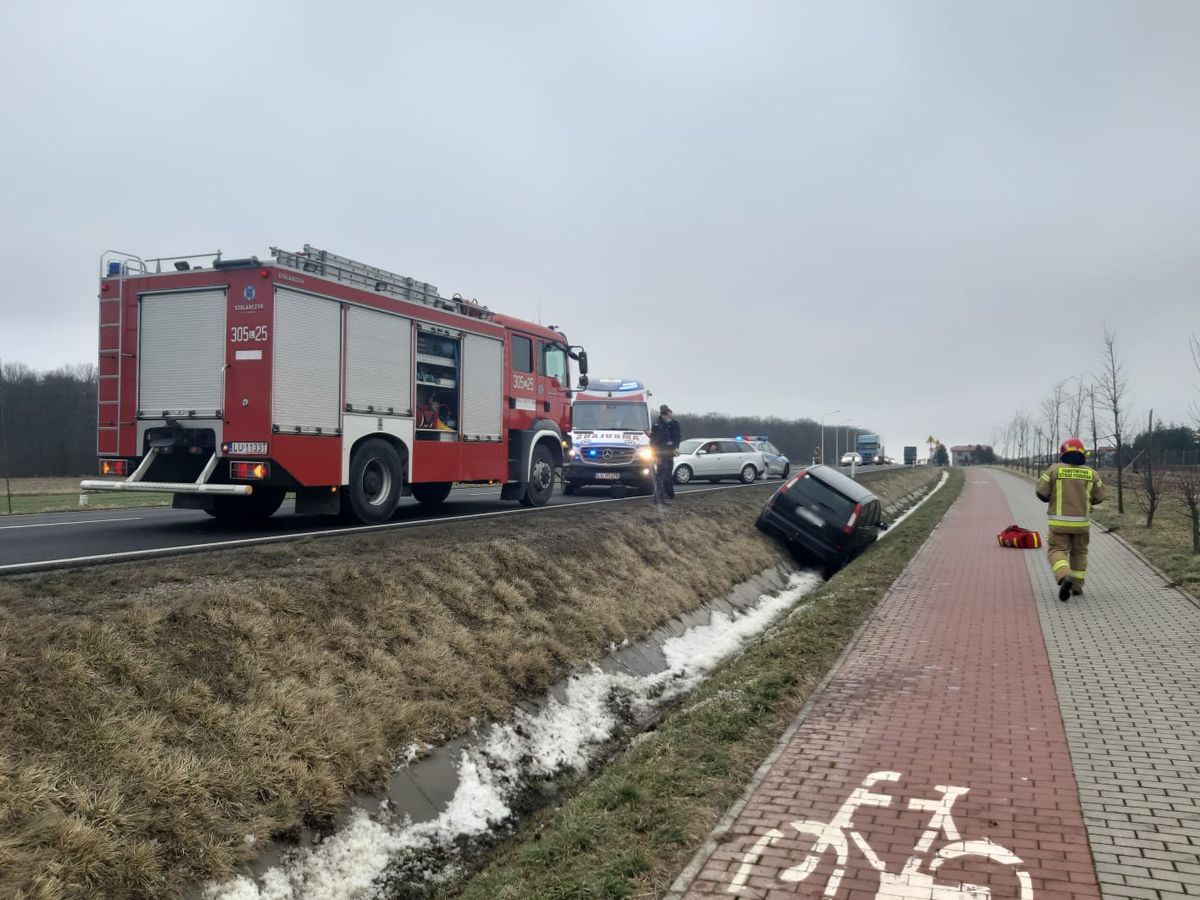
(664, 438)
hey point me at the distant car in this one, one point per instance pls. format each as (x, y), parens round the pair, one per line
(777, 463)
(852, 458)
(717, 458)
(824, 515)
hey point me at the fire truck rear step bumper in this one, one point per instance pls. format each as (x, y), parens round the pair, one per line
(134, 482)
(168, 487)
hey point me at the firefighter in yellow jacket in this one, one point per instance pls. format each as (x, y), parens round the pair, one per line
(1069, 488)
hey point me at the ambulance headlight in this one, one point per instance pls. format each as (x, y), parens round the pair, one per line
(646, 453)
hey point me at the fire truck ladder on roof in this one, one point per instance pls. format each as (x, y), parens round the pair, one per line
(120, 264)
(349, 271)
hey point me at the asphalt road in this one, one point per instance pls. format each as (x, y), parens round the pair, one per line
(57, 540)
(54, 540)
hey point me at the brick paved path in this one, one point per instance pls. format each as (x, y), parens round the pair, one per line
(947, 704)
(1126, 662)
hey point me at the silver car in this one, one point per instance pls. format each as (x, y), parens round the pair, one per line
(777, 463)
(717, 458)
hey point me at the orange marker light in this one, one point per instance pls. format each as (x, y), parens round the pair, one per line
(249, 471)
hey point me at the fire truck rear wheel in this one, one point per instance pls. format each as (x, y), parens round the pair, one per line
(262, 504)
(541, 478)
(375, 476)
(432, 493)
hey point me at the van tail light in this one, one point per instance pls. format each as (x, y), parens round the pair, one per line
(787, 484)
(249, 471)
(114, 467)
(849, 529)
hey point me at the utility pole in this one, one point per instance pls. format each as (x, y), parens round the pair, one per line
(4, 441)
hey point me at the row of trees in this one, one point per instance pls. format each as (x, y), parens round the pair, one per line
(47, 420)
(1165, 459)
(797, 438)
(48, 424)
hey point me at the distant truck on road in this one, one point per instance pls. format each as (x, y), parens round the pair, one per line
(610, 438)
(910, 456)
(870, 448)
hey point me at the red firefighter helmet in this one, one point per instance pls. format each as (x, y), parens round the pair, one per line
(1072, 445)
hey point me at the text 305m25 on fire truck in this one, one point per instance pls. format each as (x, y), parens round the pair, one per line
(231, 383)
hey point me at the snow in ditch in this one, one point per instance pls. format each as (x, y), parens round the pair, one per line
(912, 509)
(562, 735)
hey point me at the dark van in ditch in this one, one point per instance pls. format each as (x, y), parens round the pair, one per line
(824, 515)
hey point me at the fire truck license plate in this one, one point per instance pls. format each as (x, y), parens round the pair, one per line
(609, 476)
(243, 448)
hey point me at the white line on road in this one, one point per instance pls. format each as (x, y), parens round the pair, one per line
(332, 532)
(80, 522)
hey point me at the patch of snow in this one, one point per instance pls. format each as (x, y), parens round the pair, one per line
(562, 735)
(912, 509)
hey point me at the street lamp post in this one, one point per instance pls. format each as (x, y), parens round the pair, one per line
(837, 438)
(824, 416)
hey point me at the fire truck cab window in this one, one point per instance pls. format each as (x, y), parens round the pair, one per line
(522, 354)
(553, 363)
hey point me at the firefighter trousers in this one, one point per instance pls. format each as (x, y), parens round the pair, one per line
(1067, 551)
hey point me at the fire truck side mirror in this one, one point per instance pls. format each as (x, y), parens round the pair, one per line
(583, 366)
(583, 382)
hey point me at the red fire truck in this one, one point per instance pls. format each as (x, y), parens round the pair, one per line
(231, 382)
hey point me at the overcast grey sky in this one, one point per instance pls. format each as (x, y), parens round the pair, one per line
(891, 209)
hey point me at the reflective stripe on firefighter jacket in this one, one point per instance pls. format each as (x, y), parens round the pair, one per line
(1069, 492)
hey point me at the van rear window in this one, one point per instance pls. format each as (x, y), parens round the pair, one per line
(821, 494)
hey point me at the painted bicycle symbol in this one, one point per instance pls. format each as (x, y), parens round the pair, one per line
(916, 878)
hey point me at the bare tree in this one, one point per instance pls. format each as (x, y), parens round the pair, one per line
(1113, 388)
(1077, 403)
(1151, 483)
(1095, 438)
(1052, 412)
(1187, 489)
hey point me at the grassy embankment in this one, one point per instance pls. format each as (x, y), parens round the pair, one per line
(631, 830)
(155, 715)
(39, 495)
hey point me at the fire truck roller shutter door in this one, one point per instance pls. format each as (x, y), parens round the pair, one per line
(307, 383)
(378, 362)
(483, 388)
(181, 353)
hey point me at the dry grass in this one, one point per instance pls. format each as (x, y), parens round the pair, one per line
(27, 487)
(154, 715)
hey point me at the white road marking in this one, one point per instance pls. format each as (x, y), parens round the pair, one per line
(80, 522)
(916, 880)
(329, 532)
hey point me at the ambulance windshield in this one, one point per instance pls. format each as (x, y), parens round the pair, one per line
(600, 415)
